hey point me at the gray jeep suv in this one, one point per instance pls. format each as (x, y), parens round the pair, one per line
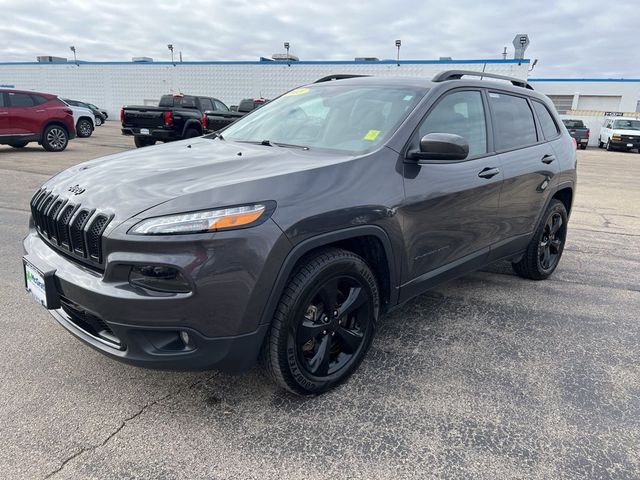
(288, 234)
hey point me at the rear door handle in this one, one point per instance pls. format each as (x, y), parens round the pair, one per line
(489, 172)
(548, 159)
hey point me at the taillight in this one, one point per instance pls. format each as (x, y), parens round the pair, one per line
(575, 143)
(588, 132)
(168, 118)
(204, 121)
(122, 116)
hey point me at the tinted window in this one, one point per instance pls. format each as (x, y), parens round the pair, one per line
(20, 100)
(206, 104)
(573, 123)
(549, 127)
(513, 121)
(38, 100)
(177, 101)
(1, 99)
(460, 113)
(627, 124)
(221, 106)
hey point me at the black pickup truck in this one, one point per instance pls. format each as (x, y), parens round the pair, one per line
(176, 117)
(578, 131)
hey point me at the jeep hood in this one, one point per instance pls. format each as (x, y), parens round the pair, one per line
(131, 182)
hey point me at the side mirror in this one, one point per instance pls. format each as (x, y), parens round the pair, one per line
(441, 146)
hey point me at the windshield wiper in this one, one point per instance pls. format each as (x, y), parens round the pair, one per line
(291, 145)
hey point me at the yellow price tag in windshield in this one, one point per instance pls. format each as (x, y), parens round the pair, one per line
(372, 135)
(297, 91)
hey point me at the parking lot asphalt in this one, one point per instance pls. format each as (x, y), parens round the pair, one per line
(487, 377)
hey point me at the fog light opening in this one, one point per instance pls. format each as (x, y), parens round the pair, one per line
(184, 336)
(159, 278)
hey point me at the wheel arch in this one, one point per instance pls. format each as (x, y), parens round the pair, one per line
(49, 124)
(368, 241)
(565, 195)
(192, 123)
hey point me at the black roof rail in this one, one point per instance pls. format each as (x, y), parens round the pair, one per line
(339, 76)
(458, 74)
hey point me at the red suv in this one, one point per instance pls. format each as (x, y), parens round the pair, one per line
(35, 117)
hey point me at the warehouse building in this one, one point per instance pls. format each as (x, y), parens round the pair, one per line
(142, 82)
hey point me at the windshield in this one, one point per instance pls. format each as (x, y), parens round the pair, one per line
(573, 123)
(627, 124)
(348, 118)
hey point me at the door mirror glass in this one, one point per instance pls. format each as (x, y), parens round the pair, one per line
(442, 146)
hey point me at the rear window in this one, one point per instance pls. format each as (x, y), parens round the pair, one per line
(548, 124)
(513, 119)
(20, 100)
(573, 123)
(178, 101)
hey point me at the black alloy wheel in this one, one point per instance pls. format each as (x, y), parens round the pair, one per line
(324, 323)
(546, 245)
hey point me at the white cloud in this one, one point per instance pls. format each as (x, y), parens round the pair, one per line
(570, 38)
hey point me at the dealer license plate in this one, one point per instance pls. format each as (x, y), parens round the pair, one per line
(34, 281)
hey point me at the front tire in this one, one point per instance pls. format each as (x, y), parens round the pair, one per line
(609, 147)
(600, 144)
(55, 138)
(98, 121)
(84, 128)
(546, 246)
(143, 142)
(324, 323)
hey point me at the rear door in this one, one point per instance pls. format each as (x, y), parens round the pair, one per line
(22, 115)
(528, 162)
(450, 214)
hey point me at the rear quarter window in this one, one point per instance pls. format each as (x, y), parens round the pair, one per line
(513, 121)
(547, 123)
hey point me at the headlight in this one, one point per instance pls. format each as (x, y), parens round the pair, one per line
(202, 221)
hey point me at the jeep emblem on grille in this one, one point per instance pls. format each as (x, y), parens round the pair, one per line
(76, 189)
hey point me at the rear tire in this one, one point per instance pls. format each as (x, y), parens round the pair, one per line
(324, 323)
(19, 144)
(546, 246)
(143, 142)
(55, 138)
(583, 147)
(84, 128)
(191, 132)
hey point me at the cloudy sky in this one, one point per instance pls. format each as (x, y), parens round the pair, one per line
(570, 38)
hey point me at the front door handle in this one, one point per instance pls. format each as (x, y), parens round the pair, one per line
(548, 159)
(489, 172)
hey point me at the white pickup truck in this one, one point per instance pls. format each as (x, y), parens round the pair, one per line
(620, 132)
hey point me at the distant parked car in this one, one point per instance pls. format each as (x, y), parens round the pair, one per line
(98, 117)
(104, 113)
(35, 117)
(620, 132)
(85, 121)
(176, 117)
(578, 131)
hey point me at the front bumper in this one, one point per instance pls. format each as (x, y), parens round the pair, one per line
(221, 316)
(626, 143)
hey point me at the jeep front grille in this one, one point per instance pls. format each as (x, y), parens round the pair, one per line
(69, 227)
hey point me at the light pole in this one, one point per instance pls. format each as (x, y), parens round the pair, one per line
(286, 47)
(75, 59)
(170, 47)
(398, 44)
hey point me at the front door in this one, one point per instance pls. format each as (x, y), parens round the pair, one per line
(450, 210)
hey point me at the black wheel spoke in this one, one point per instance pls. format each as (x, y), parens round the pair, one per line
(556, 243)
(308, 330)
(329, 295)
(355, 300)
(350, 340)
(556, 224)
(319, 364)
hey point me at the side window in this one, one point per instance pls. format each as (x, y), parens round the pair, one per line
(513, 121)
(206, 104)
(460, 113)
(38, 100)
(549, 127)
(1, 99)
(20, 100)
(220, 106)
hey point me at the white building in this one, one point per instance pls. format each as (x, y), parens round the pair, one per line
(113, 84)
